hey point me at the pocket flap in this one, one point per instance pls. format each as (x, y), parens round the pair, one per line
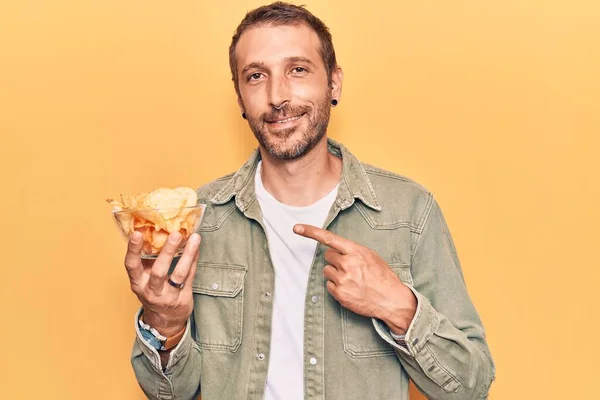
(222, 280)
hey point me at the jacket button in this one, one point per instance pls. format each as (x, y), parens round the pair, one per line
(261, 356)
(215, 286)
(313, 361)
(267, 294)
(314, 299)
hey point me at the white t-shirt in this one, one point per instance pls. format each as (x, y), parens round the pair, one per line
(292, 256)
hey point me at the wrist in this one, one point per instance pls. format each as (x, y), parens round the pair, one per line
(163, 327)
(155, 339)
(399, 311)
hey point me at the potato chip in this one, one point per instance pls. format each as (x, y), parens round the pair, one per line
(148, 232)
(126, 222)
(167, 200)
(159, 238)
(127, 200)
(190, 195)
(148, 249)
(140, 223)
(191, 199)
(174, 224)
(153, 216)
(193, 217)
(116, 205)
(140, 200)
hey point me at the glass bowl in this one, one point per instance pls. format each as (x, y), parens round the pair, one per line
(156, 225)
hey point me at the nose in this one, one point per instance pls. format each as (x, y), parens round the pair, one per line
(279, 92)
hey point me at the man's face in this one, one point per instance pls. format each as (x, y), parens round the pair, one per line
(283, 88)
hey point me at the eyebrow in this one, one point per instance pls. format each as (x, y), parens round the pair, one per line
(259, 65)
(299, 59)
(288, 60)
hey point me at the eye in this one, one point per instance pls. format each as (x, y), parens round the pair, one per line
(299, 70)
(255, 76)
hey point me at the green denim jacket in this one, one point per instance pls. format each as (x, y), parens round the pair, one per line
(225, 351)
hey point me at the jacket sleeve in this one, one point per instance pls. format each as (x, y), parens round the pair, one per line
(180, 380)
(446, 353)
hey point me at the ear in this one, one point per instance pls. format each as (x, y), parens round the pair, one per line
(241, 104)
(336, 83)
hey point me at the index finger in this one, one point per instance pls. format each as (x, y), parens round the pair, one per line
(332, 240)
(133, 257)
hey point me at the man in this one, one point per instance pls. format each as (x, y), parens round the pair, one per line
(319, 276)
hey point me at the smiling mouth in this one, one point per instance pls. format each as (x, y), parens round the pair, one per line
(283, 121)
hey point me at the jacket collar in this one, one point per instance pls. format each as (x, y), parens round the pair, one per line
(354, 183)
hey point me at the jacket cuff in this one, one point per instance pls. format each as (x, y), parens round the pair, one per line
(180, 351)
(421, 328)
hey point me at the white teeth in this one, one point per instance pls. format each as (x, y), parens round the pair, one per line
(288, 119)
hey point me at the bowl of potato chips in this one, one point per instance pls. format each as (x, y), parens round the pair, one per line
(156, 215)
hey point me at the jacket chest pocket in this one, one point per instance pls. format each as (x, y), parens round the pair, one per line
(218, 291)
(359, 336)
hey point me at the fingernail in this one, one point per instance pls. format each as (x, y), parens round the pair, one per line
(175, 237)
(298, 229)
(195, 239)
(136, 237)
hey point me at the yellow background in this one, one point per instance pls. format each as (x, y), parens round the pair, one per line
(492, 105)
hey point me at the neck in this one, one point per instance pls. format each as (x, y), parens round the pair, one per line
(303, 181)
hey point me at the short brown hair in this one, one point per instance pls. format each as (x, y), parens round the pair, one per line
(277, 14)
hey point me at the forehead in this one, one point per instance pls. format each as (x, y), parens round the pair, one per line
(272, 44)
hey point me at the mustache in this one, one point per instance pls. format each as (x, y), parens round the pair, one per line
(286, 111)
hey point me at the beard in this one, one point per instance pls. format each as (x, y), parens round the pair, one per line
(282, 144)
